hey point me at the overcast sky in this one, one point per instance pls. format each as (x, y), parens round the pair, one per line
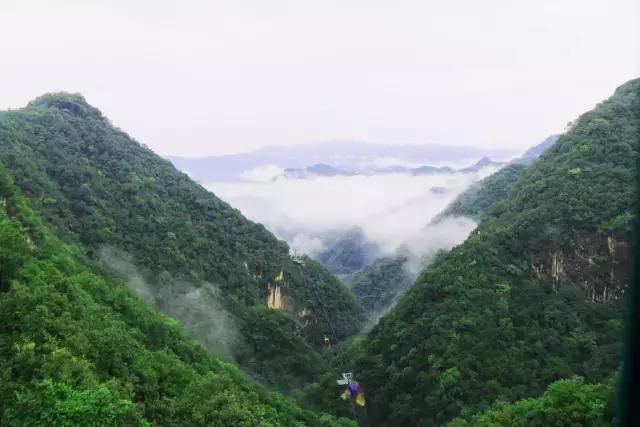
(210, 77)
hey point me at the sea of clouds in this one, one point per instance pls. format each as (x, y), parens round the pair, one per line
(393, 210)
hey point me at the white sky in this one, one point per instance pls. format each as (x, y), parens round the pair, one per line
(212, 77)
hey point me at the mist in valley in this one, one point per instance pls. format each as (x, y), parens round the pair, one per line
(392, 210)
(375, 231)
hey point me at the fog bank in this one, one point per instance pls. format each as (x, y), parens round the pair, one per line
(391, 209)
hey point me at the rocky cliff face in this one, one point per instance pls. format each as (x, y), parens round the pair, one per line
(598, 264)
(274, 296)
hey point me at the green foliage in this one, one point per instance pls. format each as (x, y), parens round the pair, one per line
(585, 179)
(13, 250)
(378, 284)
(347, 252)
(77, 348)
(474, 201)
(59, 404)
(465, 335)
(481, 324)
(565, 403)
(96, 187)
(620, 222)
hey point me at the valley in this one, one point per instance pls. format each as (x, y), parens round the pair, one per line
(511, 282)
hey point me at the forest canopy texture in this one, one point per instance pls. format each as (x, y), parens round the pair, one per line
(531, 297)
(105, 249)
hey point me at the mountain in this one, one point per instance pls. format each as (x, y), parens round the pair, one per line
(537, 150)
(475, 200)
(424, 170)
(531, 297)
(317, 170)
(343, 155)
(313, 171)
(346, 252)
(230, 281)
(78, 348)
(480, 164)
(377, 285)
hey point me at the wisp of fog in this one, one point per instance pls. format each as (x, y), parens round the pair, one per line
(198, 308)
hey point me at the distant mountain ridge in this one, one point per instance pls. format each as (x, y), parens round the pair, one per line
(343, 155)
(537, 150)
(321, 169)
(482, 163)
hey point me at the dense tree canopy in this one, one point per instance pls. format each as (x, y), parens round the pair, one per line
(377, 285)
(568, 402)
(487, 321)
(474, 201)
(77, 348)
(96, 187)
(528, 305)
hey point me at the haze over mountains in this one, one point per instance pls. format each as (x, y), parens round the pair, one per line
(368, 216)
(353, 181)
(389, 208)
(375, 196)
(98, 233)
(319, 214)
(321, 169)
(348, 156)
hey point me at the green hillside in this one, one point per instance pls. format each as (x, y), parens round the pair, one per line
(99, 189)
(474, 201)
(568, 402)
(77, 348)
(346, 252)
(377, 285)
(531, 297)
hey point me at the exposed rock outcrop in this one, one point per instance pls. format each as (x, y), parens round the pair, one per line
(599, 264)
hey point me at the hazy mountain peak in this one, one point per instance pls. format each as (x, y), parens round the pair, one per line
(345, 156)
(482, 163)
(537, 150)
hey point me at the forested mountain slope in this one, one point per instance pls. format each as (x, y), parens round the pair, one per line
(346, 251)
(568, 402)
(475, 200)
(98, 188)
(537, 150)
(531, 297)
(77, 348)
(377, 285)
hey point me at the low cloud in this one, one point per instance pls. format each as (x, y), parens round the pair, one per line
(305, 244)
(262, 173)
(391, 209)
(198, 308)
(445, 234)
